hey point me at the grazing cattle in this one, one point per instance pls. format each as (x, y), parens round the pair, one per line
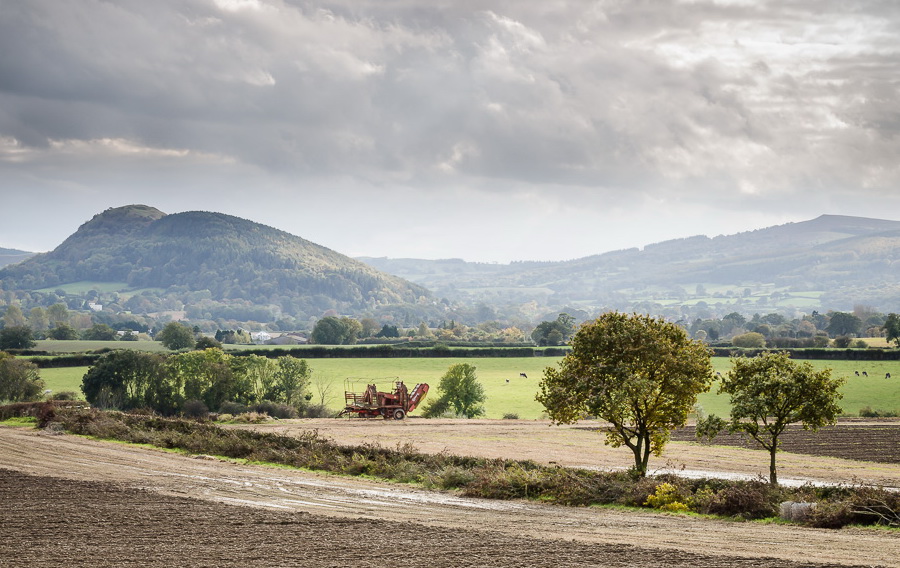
(865, 374)
(523, 375)
(857, 373)
(887, 375)
(507, 380)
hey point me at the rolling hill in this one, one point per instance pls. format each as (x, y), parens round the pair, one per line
(215, 262)
(13, 256)
(831, 262)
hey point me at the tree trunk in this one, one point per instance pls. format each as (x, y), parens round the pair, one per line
(641, 455)
(773, 476)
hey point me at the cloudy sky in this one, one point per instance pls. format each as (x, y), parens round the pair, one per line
(489, 131)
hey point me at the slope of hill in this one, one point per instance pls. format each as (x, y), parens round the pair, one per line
(831, 262)
(12, 256)
(227, 260)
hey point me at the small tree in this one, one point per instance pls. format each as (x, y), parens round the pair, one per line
(16, 337)
(460, 391)
(20, 380)
(892, 328)
(176, 336)
(750, 340)
(769, 392)
(640, 374)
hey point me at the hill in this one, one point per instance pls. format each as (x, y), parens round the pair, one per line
(831, 262)
(219, 265)
(12, 256)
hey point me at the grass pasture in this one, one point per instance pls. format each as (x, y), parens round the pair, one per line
(517, 395)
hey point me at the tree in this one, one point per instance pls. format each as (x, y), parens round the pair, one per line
(99, 332)
(750, 339)
(127, 379)
(554, 332)
(37, 319)
(20, 380)
(292, 381)
(63, 331)
(207, 342)
(892, 328)
(769, 392)
(13, 317)
(58, 314)
(331, 330)
(640, 374)
(842, 323)
(16, 337)
(460, 391)
(176, 336)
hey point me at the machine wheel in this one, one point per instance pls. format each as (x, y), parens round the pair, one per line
(399, 414)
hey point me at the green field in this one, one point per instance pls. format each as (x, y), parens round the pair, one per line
(82, 345)
(517, 395)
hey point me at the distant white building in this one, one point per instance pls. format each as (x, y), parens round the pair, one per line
(260, 336)
(95, 307)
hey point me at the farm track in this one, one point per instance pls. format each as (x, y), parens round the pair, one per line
(79, 502)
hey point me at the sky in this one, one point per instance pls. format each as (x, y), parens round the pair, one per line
(490, 131)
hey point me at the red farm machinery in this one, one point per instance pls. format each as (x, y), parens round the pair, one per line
(373, 403)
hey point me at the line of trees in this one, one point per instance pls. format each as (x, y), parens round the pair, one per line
(126, 379)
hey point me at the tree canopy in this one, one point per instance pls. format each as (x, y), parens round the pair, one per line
(892, 328)
(16, 337)
(460, 392)
(770, 391)
(20, 380)
(640, 374)
(176, 336)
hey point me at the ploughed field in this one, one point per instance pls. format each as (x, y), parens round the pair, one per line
(863, 440)
(56, 522)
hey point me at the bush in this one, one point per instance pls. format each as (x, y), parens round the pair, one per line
(750, 340)
(195, 409)
(842, 342)
(66, 395)
(229, 407)
(668, 497)
(276, 410)
(510, 416)
(318, 411)
(742, 499)
(869, 412)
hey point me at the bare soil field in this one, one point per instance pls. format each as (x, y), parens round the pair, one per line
(581, 445)
(80, 502)
(863, 440)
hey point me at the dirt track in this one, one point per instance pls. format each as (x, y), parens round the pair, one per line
(110, 522)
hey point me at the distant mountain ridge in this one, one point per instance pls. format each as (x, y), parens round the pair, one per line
(229, 259)
(12, 256)
(831, 262)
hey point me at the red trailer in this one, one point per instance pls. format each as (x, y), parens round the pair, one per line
(373, 403)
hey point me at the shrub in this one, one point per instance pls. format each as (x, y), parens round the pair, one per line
(744, 499)
(749, 340)
(667, 497)
(510, 416)
(869, 412)
(842, 342)
(229, 407)
(195, 409)
(275, 410)
(317, 411)
(66, 395)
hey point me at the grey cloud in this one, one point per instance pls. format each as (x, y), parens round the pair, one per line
(729, 102)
